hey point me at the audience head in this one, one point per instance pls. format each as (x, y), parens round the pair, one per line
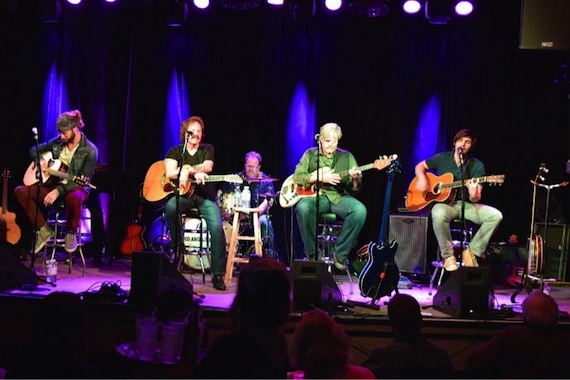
(319, 344)
(540, 310)
(263, 296)
(405, 315)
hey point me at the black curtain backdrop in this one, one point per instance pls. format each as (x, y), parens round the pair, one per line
(373, 76)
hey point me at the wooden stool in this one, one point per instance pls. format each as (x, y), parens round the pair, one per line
(256, 238)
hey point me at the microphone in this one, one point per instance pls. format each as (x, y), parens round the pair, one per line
(459, 150)
(317, 137)
(189, 133)
(35, 132)
(568, 167)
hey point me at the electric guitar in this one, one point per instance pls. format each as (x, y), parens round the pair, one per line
(380, 275)
(440, 189)
(291, 193)
(56, 171)
(157, 186)
(9, 229)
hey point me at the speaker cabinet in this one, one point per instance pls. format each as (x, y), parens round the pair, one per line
(13, 274)
(313, 285)
(555, 250)
(466, 293)
(544, 24)
(410, 231)
(151, 274)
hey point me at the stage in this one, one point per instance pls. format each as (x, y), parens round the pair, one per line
(112, 318)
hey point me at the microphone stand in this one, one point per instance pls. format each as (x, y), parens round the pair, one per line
(177, 233)
(38, 188)
(318, 198)
(462, 197)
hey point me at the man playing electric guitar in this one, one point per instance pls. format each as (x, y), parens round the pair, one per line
(193, 160)
(79, 156)
(460, 163)
(336, 193)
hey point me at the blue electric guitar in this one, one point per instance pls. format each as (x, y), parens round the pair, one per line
(380, 274)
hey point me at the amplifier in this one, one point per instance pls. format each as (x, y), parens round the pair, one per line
(410, 231)
(555, 250)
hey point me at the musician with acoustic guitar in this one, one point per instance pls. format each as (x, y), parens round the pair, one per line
(75, 158)
(187, 166)
(336, 193)
(426, 188)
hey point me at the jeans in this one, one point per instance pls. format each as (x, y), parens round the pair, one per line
(487, 217)
(211, 214)
(350, 209)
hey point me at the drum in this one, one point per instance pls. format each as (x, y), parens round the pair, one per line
(192, 234)
(158, 236)
(226, 203)
(192, 241)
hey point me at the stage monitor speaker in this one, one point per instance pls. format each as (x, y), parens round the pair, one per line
(544, 24)
(410, 231)
(313, 285)
(151, 274)
(555, 250)
(467, 293)
(14, 274)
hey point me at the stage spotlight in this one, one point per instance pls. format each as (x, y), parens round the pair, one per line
(368, 8)
(464, 8)
(302, 10)
(201, 4)
(412, 6)
(241, 5)
(174, 12)
(333, 5)
(438, 11)
(275, 2)
(74, 2)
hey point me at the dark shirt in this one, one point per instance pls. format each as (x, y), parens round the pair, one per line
(205, 152)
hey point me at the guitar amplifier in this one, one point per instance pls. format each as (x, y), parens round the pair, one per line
(555, 250)
(410, 231)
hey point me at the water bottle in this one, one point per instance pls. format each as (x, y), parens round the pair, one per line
(245, 197)
(237, 196)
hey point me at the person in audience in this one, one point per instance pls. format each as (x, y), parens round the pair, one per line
(257, 348)
(60, 342)
(535, 348)
(410, 354)
(321, 350)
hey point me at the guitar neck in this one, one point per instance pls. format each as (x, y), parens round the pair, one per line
(455, 184)
(5, 196)
(383, 236)
(214, 178)
(361, 168)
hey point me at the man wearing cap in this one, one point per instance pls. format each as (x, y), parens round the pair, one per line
(74, 152)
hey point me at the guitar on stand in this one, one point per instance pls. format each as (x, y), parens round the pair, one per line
(134, 231)
(533, 272)
(9, 229)
(380, 275)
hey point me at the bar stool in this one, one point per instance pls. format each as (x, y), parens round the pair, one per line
(328, 237)
(57, 221)
(199, 230)
(236, 237)
(462, 239)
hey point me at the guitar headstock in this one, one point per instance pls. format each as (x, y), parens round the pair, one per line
(233, 178)
(384, 161)
(82, 180)
(496, 179)
(395, 166)
(6, 174)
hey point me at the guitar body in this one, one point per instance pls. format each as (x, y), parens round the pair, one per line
(133, 240)
(380, 275)
(416, 200)
(9, 229)
(30, 176)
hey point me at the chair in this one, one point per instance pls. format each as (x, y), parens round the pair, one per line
(57, 221)
(236, 237)
(460, 238)
(196, 239)
(331, 227)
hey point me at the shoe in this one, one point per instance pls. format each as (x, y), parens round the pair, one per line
(338, 263)
(218, 281)
(450, 264)
(70, 243)
(469, 258)
(42, 236)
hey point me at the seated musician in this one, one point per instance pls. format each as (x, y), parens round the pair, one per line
(336, 194)
(458, 162)
(262, 195)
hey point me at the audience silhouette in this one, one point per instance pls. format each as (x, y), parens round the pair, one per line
(410, 354)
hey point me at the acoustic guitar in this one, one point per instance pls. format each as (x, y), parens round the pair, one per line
(9, 229)
(156, 186)
(440, 189)
(56, 171)
(380, 275)
(134, 232)
(291, 193)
